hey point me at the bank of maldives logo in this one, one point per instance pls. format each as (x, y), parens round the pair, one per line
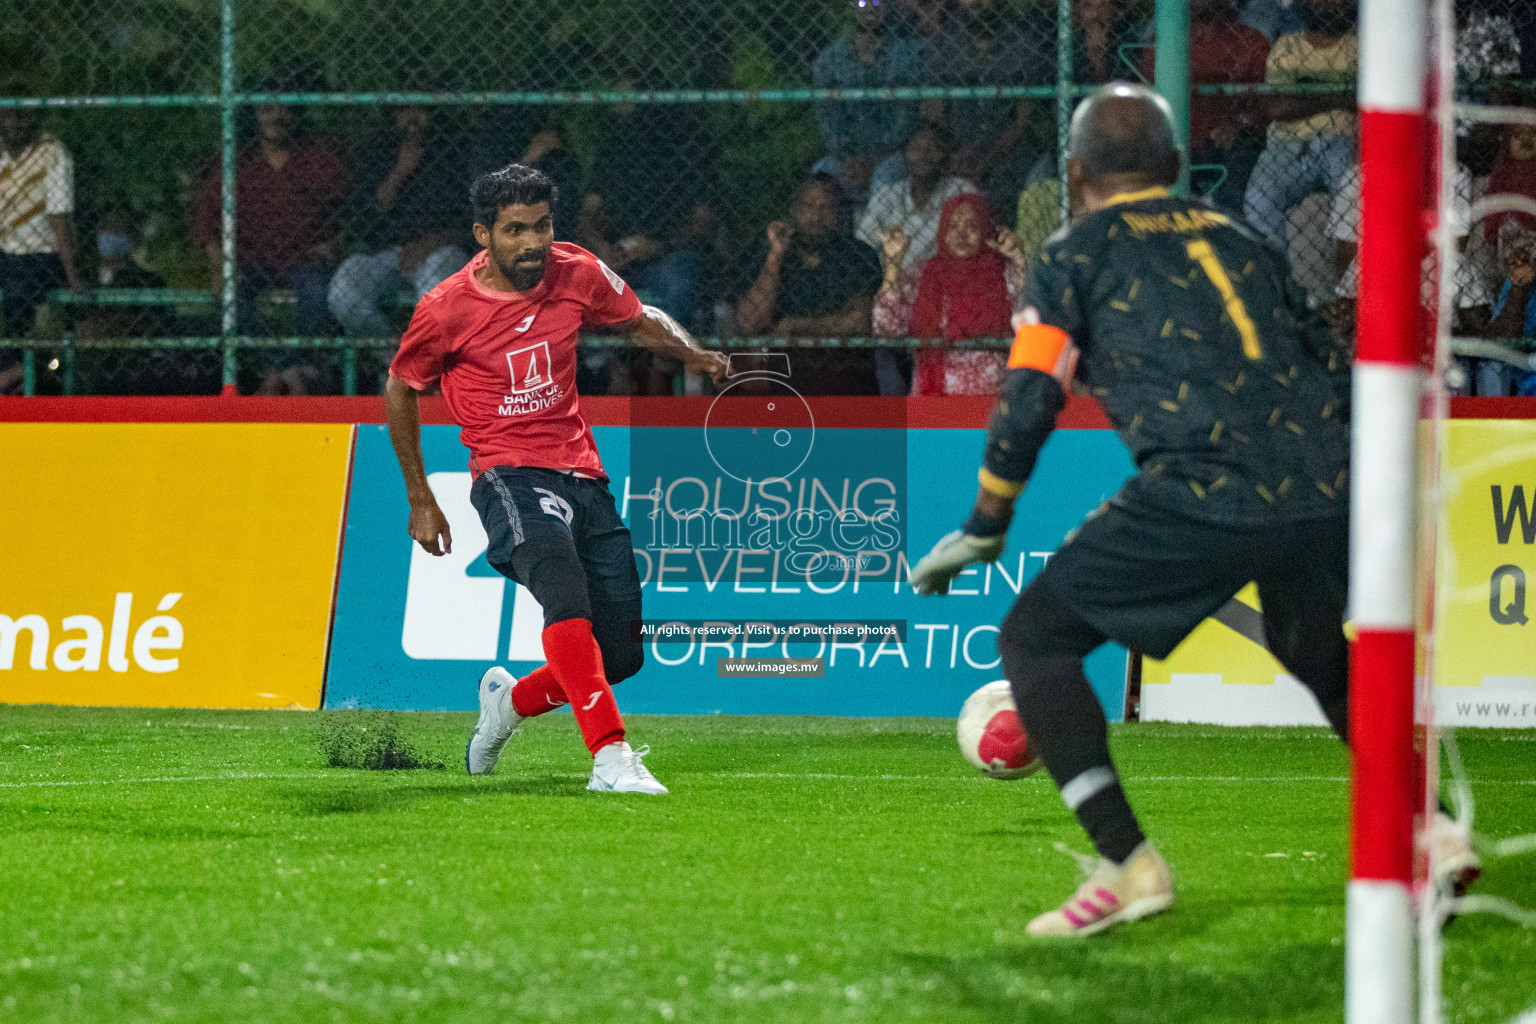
(455, 603)
(530, 367)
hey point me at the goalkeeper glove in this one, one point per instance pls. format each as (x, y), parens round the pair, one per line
(949, 558)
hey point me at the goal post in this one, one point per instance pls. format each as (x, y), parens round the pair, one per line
(1388, 387)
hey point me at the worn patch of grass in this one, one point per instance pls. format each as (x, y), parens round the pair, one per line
(372, 741)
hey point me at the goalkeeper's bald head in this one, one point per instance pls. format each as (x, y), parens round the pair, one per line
(1122, 137)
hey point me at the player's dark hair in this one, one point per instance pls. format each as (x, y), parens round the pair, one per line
(514, 185)
(1124, 129)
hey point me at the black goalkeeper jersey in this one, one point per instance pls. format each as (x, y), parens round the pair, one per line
(1200, 347)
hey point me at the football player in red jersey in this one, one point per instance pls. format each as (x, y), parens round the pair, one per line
(501, 336)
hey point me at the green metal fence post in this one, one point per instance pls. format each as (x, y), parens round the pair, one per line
(1063, 96)
(1173, 73)
(67, 357)
(227, 187)
(349, 368)
(28, 369)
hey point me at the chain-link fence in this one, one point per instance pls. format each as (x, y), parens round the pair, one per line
(256, 192)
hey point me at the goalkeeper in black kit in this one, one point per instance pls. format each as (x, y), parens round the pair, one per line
(1192, 335)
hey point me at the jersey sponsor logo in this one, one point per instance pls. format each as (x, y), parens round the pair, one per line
(527, 323)
(530, 367)
(554, 505)
(533, 381)
(613, 279)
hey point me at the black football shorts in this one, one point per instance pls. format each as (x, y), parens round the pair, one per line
(1146, 577)
(519, 503)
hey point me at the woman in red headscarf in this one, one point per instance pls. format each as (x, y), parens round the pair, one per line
(965, 292)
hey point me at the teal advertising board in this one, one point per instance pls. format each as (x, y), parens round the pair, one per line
(415, 632)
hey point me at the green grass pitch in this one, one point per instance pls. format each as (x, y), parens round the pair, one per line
(207, 866)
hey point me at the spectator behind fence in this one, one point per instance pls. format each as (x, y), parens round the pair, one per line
(1487, 61)
(859, 134)
(915, 202)
(1514, 309)
(1223, 130)
(966, 291)
(653, 167)
(1514, 173)
(1271, 18)
(37, 201)
(1472, 298)
(117, 371)
(408, 213)
(118, 267)
(1093, 59)
(917, 19)
(1312, 140)
(289, 190)
(814, 280)
(984, 42)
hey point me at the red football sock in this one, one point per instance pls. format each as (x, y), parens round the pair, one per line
(536, 693)
(576, 662)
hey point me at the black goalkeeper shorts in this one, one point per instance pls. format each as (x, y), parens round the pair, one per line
(1146, 577)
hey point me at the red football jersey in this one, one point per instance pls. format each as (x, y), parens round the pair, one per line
(507, 360)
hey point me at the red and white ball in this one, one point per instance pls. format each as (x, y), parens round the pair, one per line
(991, 735)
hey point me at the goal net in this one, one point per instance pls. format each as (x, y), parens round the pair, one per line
(1451, 218)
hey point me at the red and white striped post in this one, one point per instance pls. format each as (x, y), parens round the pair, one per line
(1388, 378)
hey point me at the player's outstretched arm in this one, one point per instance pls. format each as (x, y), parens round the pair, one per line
(1021, 421)
(657, 331)
(427, 524)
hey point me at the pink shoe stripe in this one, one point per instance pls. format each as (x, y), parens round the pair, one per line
(1066, 912)
(1107, 896)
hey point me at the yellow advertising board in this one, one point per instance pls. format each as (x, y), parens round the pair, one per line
(1485, 642)
(169, 564)
(1223, 674)
(1485, 578)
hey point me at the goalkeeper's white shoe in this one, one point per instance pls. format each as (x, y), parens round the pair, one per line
(618, 769)
(497, 721)
(1112, 895)
(1452, 860)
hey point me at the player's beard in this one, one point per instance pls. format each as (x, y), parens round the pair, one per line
(523, 276)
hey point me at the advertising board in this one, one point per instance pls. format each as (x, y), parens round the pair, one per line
(415, 631)
(169, 565)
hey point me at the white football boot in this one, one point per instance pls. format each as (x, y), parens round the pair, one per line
(497, 721)
(618, 769)
(1112, 895)
(1453, 862)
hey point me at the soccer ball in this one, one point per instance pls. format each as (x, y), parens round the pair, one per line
(991, 736)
